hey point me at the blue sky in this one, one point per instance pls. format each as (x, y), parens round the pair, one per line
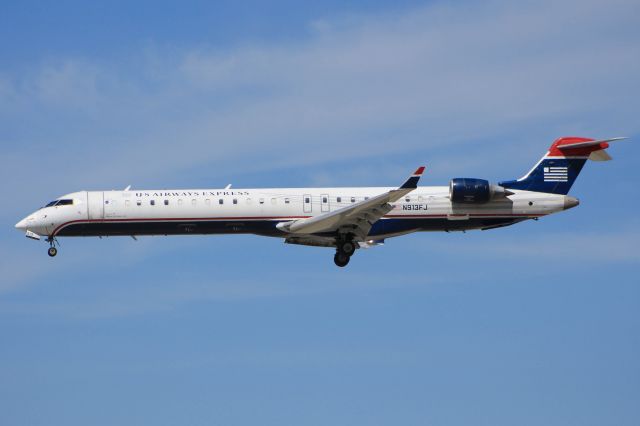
(532, 324)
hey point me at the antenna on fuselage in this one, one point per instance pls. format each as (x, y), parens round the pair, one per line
(128, 188)
(228, 186)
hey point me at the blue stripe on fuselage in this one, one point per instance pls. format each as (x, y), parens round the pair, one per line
(268, 227)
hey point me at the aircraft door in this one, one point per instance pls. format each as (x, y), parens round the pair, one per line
(95, 205)
(324, 202)
(307, 203)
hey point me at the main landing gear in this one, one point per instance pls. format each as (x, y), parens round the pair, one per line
(341, 259)
(345, 247)
(52, 247)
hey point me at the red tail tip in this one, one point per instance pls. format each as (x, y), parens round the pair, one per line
(557, 151)
(419, 171)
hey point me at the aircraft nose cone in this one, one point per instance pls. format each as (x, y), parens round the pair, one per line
(22, 225)
(570, 202)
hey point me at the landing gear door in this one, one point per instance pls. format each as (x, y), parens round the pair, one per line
(95, 205)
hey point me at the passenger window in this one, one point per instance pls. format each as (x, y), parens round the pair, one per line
(261, 200)
(166, 202)
(307, 200)
(220, 201)
(286, 201)
(152, 202)
(407, 199)
(139, 202)
(325, 200)
(366, 198)
(353, 199)
(339, 199)
(235, 201)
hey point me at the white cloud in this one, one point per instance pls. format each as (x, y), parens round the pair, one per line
(374, 85)
(174, 293)
(587, 247)
(70, 84)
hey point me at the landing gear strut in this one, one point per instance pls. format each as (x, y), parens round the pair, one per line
(345, 247)
(52, 247)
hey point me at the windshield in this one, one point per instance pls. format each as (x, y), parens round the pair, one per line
(60, 203)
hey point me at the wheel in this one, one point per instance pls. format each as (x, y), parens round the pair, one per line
(341, 259)
(347, 247)
(52, 251)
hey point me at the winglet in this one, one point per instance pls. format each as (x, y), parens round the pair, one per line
(412, 182)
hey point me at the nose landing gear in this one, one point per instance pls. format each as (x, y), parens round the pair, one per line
(52, 246)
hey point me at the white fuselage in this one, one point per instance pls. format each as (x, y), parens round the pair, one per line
(258, 211)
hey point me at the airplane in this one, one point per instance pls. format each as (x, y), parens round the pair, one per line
(345, 219)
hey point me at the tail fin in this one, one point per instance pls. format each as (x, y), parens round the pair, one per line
(559, 168)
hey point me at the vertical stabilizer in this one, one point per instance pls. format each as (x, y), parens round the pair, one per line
(561, 165)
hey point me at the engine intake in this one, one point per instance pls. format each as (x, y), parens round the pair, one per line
(474, 191)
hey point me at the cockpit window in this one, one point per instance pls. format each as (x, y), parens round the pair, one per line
(60, 203)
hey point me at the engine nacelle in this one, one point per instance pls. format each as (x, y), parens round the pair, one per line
(474, 191)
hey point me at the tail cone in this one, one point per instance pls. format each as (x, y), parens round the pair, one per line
(570, 202)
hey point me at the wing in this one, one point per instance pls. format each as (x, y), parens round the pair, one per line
(357, 218)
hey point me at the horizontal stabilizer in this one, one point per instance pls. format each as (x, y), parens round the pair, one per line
(587, 143)
(600, 155)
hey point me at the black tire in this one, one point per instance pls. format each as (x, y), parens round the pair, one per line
(52, 251)
(347, 247)
(341, 259)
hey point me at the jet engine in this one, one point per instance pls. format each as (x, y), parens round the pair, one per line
(475, 191)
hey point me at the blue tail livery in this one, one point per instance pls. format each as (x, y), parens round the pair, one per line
(561, 165)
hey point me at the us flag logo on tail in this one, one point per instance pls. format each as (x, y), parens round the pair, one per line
(555, 174)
